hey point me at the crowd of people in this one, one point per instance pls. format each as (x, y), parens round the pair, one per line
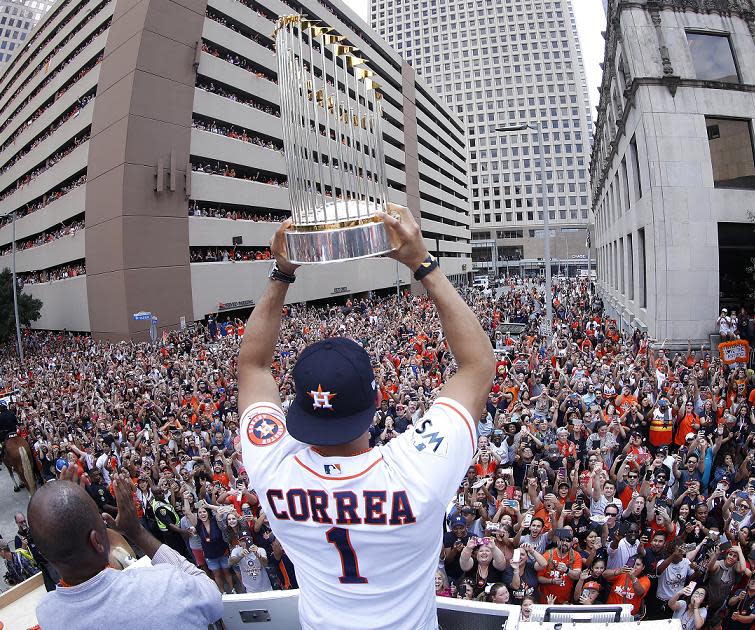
(69, 114)
(238, 60)
(59, 272)
(226, 170)
(51, 74)
(45, 237)
(211, 86)
(45, 200)
(607, 469)
(229, 131)
(47, 165)
(44, 64)
(236, 214)
(226, 254)
(218, 17)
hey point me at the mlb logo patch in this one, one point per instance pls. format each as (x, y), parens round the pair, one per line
(332, 469)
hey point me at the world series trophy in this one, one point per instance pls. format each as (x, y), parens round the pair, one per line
(333, 146)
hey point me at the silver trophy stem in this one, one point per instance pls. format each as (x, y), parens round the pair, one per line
(364, 159)
(305, 86)
(380, 151)
(347, 165)
(377, 138)
(317, 126)
(291, 88)
(371, 152)
(326, 102)
(357, 149)
(303, 103)
(284, 79)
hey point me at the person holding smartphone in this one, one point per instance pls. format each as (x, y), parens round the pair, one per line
(252, 563)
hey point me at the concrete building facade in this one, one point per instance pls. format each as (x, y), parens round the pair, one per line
(141, 152)
(673, 174)
(504, 62)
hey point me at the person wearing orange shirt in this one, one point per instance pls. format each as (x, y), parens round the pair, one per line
(625, 400)
(561, 567)
(628, 584)
(690, 423)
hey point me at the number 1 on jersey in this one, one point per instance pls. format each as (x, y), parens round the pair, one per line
(340, 538)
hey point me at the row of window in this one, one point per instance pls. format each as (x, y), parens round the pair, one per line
(623, 261)
(530, 216)
(713, 59)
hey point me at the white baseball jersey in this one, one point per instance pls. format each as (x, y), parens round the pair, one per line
(363, 532)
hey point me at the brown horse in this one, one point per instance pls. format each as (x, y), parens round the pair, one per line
(18, 459)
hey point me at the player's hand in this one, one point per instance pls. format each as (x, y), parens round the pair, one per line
(405, 236)
(126, 522)
(278, 248)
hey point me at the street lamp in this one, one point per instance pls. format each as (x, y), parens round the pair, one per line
(15, 291)
(546, 223)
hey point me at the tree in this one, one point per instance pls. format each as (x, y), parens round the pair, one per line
(28, 307)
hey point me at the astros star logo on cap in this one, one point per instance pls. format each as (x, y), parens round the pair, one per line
(321, 399)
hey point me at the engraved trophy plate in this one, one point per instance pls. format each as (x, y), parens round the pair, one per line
(333, 144)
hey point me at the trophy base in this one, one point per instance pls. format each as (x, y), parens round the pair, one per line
(338, 245)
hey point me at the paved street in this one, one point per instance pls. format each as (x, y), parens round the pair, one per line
(10, 503)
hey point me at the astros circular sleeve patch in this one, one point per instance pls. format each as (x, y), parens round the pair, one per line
(265, 429)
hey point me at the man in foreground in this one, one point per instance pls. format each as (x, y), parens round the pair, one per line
(70, 533)
(360, 524)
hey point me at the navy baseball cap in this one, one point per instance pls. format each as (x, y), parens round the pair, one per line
(335, 393)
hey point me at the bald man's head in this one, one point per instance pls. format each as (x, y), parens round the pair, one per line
(67, 527)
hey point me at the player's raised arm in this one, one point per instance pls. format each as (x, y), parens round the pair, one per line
(256, 383)
(466, 338)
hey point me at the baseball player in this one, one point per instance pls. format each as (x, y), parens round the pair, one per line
(360, 524)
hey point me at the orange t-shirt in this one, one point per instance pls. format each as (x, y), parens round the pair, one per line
(563, 593)
(685, 426)
(622, 591)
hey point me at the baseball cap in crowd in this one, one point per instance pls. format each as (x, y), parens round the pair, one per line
(458, 520)
(335, 393)
(690, 436)
(591, 585)
(562, 431)
(564, 534)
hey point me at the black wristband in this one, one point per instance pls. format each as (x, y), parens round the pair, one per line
(430, 263)
(281, 276)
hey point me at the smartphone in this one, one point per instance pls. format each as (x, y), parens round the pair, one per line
(517, 555)
(460, 498)
(693, 586)
(743, 495)
(562, 472)
(512, 503)
(527, 520)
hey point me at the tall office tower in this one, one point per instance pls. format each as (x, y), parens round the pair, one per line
(17, 19)
(141, 157)
(504, 62)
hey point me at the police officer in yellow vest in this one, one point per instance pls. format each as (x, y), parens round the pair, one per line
(166, 521)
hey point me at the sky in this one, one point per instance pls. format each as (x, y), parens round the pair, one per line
(591, 20)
